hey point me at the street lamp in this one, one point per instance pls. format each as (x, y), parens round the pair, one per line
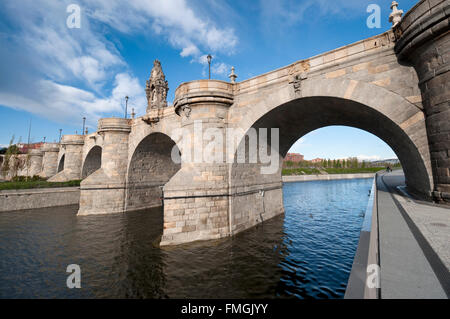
(209, 57)
(60, 131)
(84, 124)
(126, 106)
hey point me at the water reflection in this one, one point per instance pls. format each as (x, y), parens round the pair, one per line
(306, 253)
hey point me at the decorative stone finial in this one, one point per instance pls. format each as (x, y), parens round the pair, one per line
(156, 88)
(232, 75)
(396, 16)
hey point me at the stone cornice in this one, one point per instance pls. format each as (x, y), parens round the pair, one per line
(114, 124)
(427, 20)
(48, 147)
(72, 140)
(203, 91)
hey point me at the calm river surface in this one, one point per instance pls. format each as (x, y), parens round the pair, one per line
(307, 253)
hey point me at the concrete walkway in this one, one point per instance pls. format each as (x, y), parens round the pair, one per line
(414, 243)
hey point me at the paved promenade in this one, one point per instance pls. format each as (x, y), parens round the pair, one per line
(414, 243)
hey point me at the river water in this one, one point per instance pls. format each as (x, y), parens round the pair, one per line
(305, 253)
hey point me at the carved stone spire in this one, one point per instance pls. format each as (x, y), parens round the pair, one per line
(156, 88)
(396, 16)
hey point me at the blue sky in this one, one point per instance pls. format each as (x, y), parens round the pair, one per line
(53, 75)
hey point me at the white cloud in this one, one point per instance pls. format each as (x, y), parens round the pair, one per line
(61, 73)
(220, 69)
(190, 50)
(177, 20)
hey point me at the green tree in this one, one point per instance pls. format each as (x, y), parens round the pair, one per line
(12, 163)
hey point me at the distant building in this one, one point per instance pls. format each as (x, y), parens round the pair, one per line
(294, 157)
(317, 160)
(23, 147)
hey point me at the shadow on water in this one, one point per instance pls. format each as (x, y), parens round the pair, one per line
(306, 253)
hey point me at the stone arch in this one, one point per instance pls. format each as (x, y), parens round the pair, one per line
(150, 167)
(92, 162)
(349, 103)
(61, 163)
(357, 103)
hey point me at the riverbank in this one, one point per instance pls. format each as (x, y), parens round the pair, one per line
(35, 183)
(324, 177)
(19, 199)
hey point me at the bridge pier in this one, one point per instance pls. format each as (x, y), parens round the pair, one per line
(103, 192)
(35, 165)
(423, 39)
(49, 159)
(254, 197)
(72, 146)
(196, 199)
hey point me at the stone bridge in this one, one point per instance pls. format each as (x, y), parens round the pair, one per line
(394, 85)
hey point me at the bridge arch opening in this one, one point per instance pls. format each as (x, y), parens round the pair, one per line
(150, 168)
(92, 162)
(297, 118)
(61, 163)
(332, 149)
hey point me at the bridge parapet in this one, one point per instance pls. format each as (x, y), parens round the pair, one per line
(50, 147)
(324, 62)
(114, 124)
(201, 92)
(72, 140)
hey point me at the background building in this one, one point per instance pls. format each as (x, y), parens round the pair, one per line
(294, 157)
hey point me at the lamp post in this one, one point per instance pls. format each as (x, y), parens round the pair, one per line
(60, 131)
(126, 106)
(84, 124)
(209, 57)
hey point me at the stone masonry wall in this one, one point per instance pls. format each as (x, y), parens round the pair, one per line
(12, 200)
(423, 39)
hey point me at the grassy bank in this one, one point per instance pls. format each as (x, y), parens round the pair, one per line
(315, 171)
(23, 184)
